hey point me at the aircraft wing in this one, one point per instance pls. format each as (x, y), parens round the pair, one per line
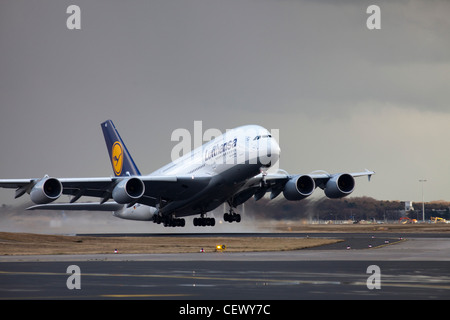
(165, 187)
(275, 183)
(154, 188)
(321, 177)
(87, 206)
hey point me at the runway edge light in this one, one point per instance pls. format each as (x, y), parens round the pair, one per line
(220, 248)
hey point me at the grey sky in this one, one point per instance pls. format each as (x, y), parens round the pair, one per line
(343, 97)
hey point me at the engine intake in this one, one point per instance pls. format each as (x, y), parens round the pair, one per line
(128, 190)
(46, 191)
(299, 187)
(340, 186)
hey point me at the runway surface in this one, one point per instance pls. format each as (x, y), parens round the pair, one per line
(414, 267)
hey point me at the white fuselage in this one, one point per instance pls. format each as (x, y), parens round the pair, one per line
(249, 144)
(231, 159)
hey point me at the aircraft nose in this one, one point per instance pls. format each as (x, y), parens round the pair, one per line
(275, 150)
(275, 147)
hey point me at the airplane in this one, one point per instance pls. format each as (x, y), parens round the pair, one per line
(230, 169)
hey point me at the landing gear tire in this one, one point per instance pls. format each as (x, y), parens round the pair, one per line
(203, 222)
(232, 217)
(178, 222)
(169, 221)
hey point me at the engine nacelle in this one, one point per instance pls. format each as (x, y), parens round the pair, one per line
(46, 190)
(340, 186)
(128, 190)
(299, 187)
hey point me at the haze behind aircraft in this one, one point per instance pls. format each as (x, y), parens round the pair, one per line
(230, 168)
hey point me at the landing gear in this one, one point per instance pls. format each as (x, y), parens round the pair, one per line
(203, 222)
(177, 222)
(169, 221)
(231, 216)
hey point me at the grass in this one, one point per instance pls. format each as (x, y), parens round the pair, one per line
(37, 244)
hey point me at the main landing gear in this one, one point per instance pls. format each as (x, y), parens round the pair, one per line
(169, 221)
(204, 222)
(231, 216)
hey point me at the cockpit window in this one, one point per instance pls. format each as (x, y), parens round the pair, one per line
(263, 136)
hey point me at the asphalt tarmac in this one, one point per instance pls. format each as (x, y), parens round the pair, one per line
(412, 267)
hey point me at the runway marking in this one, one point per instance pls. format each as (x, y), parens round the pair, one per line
(258, 280)
(144, 295)
(119, 296)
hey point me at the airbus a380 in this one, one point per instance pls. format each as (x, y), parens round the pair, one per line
(231, 168)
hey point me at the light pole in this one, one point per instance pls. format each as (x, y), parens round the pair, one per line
(423, 202)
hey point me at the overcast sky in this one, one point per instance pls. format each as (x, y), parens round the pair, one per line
(343, 97)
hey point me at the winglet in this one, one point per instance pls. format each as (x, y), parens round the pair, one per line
(370, 174)
(121, 160)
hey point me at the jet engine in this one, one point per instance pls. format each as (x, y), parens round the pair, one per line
(299, 187)
(46, 190)
(128, 190)
(339, 186)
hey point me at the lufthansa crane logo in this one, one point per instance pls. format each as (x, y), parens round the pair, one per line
(117, 158)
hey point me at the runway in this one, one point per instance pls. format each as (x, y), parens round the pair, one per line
(416, 267)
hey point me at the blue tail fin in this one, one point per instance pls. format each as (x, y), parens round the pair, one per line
(121, 160)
